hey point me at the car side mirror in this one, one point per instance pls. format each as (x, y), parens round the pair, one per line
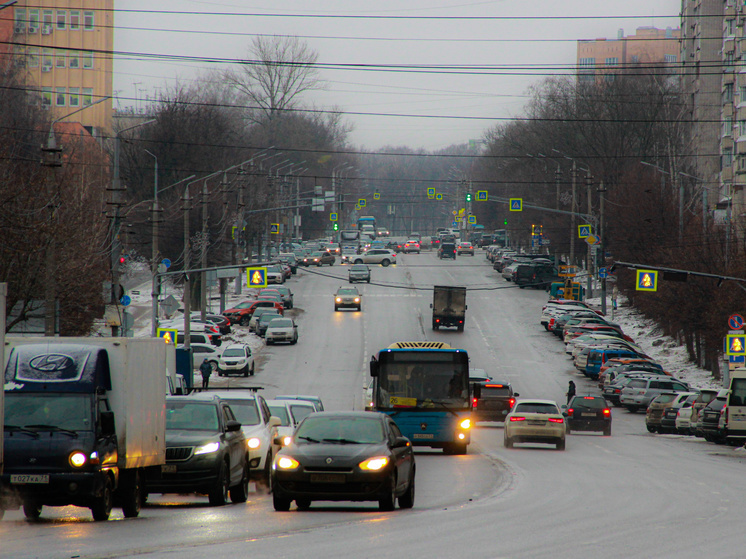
(515, 394)
(401, 442)
(232, 425)
(274, 421)
(373, 367)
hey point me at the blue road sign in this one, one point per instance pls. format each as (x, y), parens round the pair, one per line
(516, 204)
(584, 231)
(735, 322)
(125, 300)
(431, 192)
(472, 219)
(438, 196)
(166, 262)
(737, 358)
(482, 195)
(603, 273)
(333, 216)
(256, 277)
(735, 344)
(274, 228)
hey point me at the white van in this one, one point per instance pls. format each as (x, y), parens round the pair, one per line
(735, 407)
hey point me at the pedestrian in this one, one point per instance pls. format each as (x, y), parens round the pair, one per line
(206, 369)
(570, 391)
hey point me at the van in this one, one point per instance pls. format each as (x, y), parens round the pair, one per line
(735, 408)
(639, 392)
(597, 357)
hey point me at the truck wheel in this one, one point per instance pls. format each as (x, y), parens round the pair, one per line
(218, 495)
(303, 504)
(131, 498)
(31, 509)
(102, 504)
(385, 262)
(460, 327)
(240, 493)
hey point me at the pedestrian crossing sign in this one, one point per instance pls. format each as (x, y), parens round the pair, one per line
(482, 195)
(472, 219)
(431, 192)
(256, 277)
(376, 195)
(647, 280)
(333, 216)
(736, 344)
(168, 335)
(274, 228)
(361, 202)
(584, 231)
(516, 204)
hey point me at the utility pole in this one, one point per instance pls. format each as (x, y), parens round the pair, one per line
(203, 242)
(239, 236)
(52, 159)
(602, 234)
(573, 232)
(589, 257)
(557, 180)
(187, 263)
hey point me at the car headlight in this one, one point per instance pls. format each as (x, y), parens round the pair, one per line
(338, 299)
(357, 299)
(254, 443)
(465, 424)
(286, 440)
(286, 463)
(207, 448)
(374, 464)
(77, 459)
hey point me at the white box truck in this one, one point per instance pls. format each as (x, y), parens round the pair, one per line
(85, 421)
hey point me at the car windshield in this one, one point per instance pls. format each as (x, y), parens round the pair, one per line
(317, 254)
(191, 416)
(244, 305)
(537, 407)
(347, 292)
(266, 318)
(281, 413)
(588, 402)
(245, 411)
(356, 430)
(281, 323)
(234, 352)
(358, 268)
(300, 411)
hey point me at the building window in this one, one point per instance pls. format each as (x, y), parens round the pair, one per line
(728, 93)
(87, 59)
(74, 19)
(19, 56)
(59, 59)
(727, 127)
(670, 58)
(20, 18)
(87, 96)
(74, 57)
(46, 57)
(727, 158)
(75, 97)
(635, 59)
(59, 97)
(742, 93)
(33, 21)
(46, 97)
(47, 18)
(613, 61)
(729, 60)
(33, 57)
(88, 21)
(587, 70)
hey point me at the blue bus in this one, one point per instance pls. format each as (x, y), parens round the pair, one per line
(424, 387)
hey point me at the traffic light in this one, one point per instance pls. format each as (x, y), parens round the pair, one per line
(468, 196)
(506, 221)
(335, 226)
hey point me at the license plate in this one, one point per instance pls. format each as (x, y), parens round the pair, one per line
(536, 422)
(588, 415)
(168, 468)
(327, 478)
(423, 436)
(22, 479)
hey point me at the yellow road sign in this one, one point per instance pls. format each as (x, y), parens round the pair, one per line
(256, 277)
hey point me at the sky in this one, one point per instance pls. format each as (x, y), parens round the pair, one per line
(400, 107)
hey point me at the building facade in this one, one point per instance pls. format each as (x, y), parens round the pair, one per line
(66, 50)
(600, 59)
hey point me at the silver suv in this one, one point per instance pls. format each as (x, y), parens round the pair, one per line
(639, 392)
(382, 256)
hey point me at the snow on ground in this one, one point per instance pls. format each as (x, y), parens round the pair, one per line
(664, 349)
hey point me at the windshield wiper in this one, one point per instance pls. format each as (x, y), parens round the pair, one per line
(444, 406)
(21, 429)
(309, 439)
(53, 428)
(340, 441)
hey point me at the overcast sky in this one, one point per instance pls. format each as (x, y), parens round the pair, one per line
(539, 39)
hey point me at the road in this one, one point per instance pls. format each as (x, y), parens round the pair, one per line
(629, 495)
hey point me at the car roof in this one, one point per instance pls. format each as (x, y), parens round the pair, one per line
(349, 414)
(239, 346)
(195, 397)
(235, 394)
(536, 401)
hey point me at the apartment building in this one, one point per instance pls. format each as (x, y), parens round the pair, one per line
(600, 59)
(66, 50)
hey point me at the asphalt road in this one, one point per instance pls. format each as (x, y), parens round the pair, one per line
(629, 495)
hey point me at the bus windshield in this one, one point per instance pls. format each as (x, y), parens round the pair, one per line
(423, 380)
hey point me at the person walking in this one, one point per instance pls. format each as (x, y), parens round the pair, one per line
(206, 369)
(570, 391)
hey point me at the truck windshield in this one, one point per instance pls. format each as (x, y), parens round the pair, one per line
(63, 411)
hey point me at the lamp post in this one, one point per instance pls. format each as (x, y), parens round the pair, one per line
(154, 262)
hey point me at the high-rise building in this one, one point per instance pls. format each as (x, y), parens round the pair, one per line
(66, 49)
(601, 59)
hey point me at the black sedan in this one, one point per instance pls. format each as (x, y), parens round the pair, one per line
(345, 456)
(588, 413)
(206, 451)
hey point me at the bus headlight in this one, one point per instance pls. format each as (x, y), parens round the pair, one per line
(466, 424)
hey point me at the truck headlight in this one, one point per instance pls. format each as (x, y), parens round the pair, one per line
(77, 459)
(465, 424)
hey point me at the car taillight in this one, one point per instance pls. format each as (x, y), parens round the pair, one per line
(517, 418)
(607, 411)
(511, 402)
(570, 411)
(556, 420)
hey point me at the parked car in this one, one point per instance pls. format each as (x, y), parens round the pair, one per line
(640, 392)
(241, 313)
(709, 418)
(347, 298)
(281, 329)
(315, 401)
(263, 323)
(290, 260)
(371, 461)
(535, 421)
(465, 248)
(668, 420)
(275, 274)
(588, 413)
(259, 426)
(257, 315)
(236, 359)
(656, 409)
(687, 420)
(382, 256)
(206, 450)
(447, 250)
(287, 296)
(359, 272)
(202, 351)
(223, 324)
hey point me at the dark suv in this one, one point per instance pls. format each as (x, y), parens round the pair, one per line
(206, 450)
(447, 250)
(492, 400)
(588, 413)
(709, 419)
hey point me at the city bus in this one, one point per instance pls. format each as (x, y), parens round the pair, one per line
(424, 387)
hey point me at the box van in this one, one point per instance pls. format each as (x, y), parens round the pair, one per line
(639, 392)
(597, 357)
(735, 409)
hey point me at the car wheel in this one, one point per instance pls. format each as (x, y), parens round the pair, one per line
(251, 371)
(359, 308)
(303, 504)
(388, 501)
(385, 262)
(368, 280)
(319, 265)
(281, 504)
(294, 340)
(508, 441)
(350, 281)
(214, 365)
(31, 509)
(631, 409)
(218, 494)
(651, 429)
(270, 342)
(358, 261)
(561, 445)
(244, 321)
(607, 431)
(569, 431)
(336, 309)
(240, 492)
(406, 501)
(101, 508)
(246, 371)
